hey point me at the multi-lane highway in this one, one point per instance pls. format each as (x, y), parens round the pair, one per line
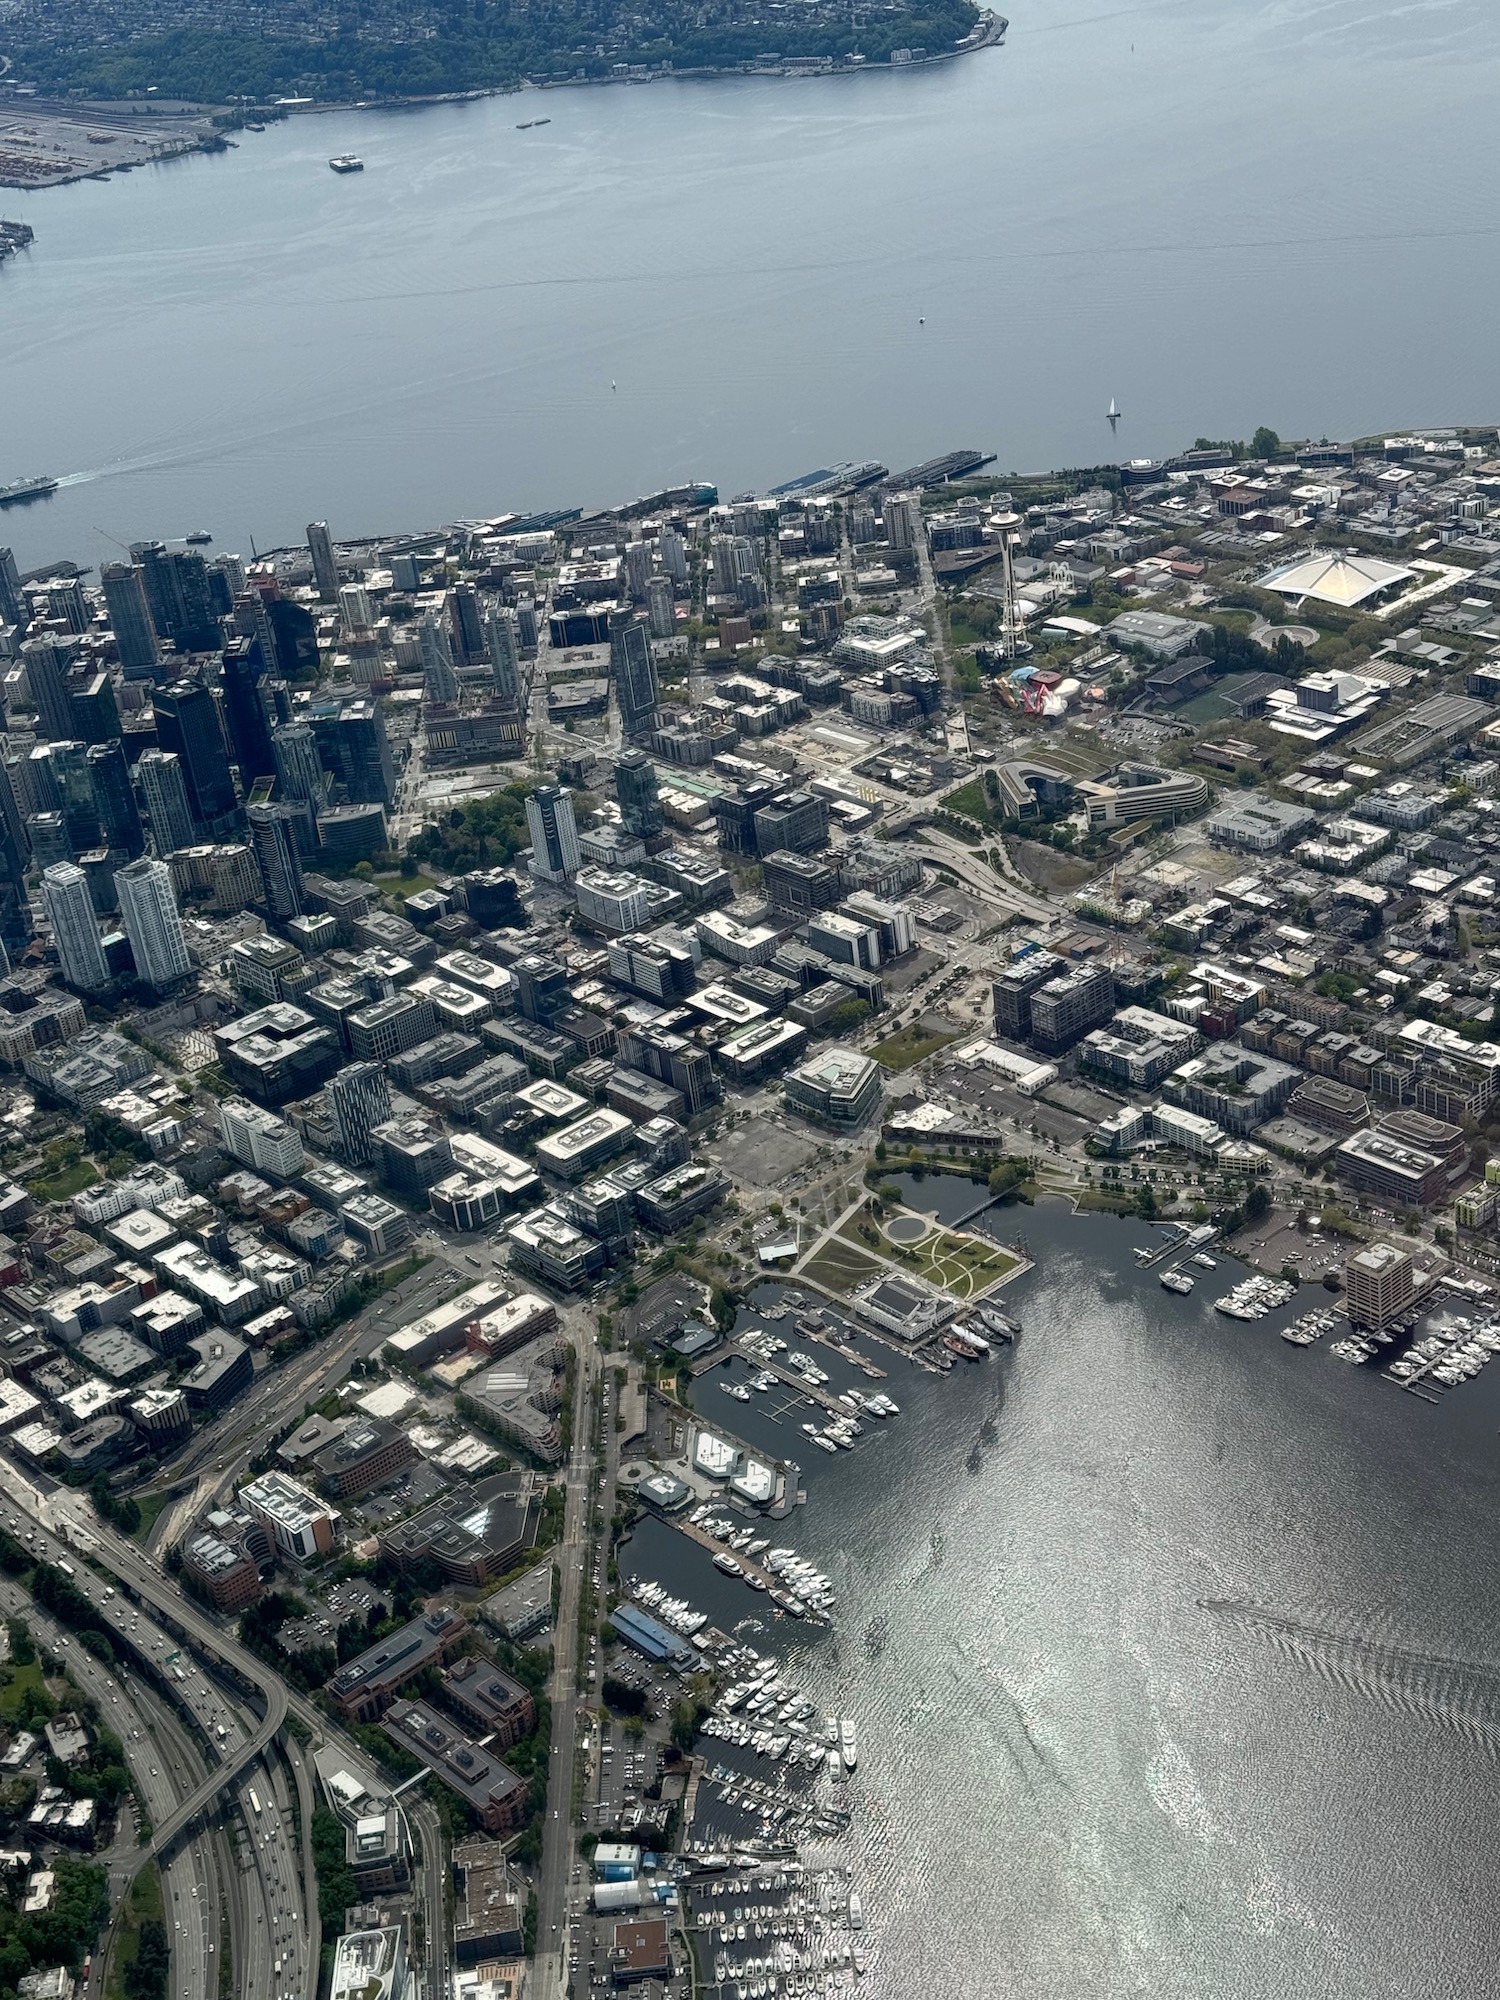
(203, 1754)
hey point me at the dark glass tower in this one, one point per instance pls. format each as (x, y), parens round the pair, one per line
(634, 672)
(635, 790)
(245, 712)
(187, 723)
(47, 660)
(130, 616)
(114, 800)
(91, 703)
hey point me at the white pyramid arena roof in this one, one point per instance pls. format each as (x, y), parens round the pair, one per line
(1336, 578)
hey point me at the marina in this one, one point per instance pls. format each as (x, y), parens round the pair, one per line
(896, 1541)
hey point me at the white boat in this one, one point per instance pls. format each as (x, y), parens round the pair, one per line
(736, 1389)
(35, 488)
(1205, 1262)
(856, 1914)
(825, 1443)
(847, 1742)
(347, 163)
(1175, 1281)
(727, 1564)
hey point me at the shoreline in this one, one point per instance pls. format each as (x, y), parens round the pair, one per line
(989, 32)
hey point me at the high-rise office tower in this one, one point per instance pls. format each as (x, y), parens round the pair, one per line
(114, 798)
(187, 723)
(38, 780)
(232, 569)
(15, 795)
(526, 623)
(12, 600)
(673, 552)
(245, 711)
(633, 671)
(159, 581)
(661, 605)
(500, 638)
(468, 624)
(273, 840)
(180, 596)
(406, 573)
(353, 746)
(75, 928)
(15, 912)
(300, 774)
(68, 765)
(903, 520)
(439, 681)
(637, 569)
(130, 618)
(92, 706)
(66, 604)
(325, 569)
(635, 790)
(541, 986)
(47, 837)
(356, 608)
(149, 912)
(47, 659)
(253, 621)
(164, 790)
(358, 1099)
(202, 606)
(555, 854)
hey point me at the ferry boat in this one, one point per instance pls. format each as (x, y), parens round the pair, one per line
(197, 535)
(27, 489)
(347, 163)
(1175, 1281)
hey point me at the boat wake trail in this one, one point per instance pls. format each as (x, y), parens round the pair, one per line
(1457, 1694)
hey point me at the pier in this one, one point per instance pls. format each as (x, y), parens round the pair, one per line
(789, 1378)
(705, 1540)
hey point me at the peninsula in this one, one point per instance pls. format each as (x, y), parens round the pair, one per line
(124, 50)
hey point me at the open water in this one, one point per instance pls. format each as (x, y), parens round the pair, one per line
(1191, 1689)
(1219, 212)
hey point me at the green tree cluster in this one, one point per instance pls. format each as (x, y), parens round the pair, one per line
(146, 1975)
(60, 1934)
(379, 48)
(481, 834)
